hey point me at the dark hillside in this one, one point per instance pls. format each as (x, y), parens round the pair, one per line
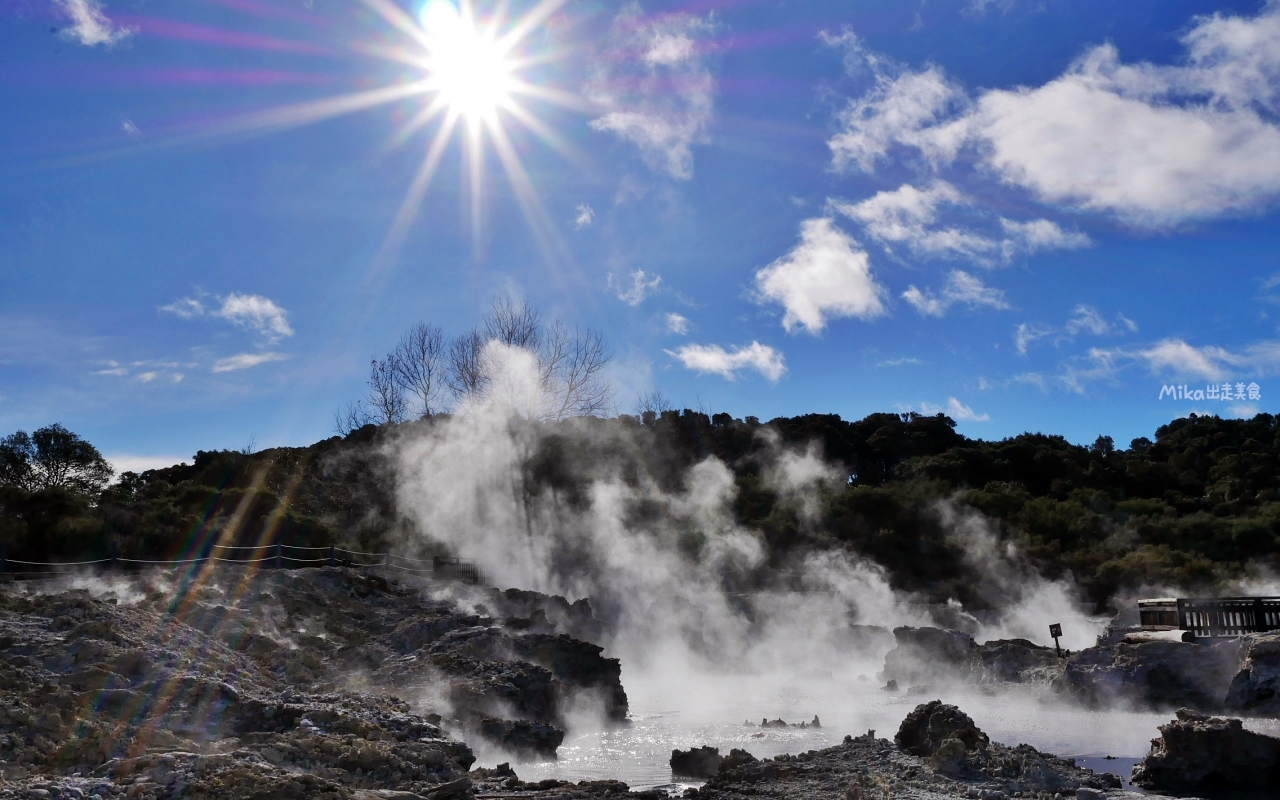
(1189, 509)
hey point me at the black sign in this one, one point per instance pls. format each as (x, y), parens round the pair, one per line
(1055, 630)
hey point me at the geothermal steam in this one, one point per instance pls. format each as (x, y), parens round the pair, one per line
(465, 482)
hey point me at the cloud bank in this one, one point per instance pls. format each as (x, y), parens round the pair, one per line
(1154, 145)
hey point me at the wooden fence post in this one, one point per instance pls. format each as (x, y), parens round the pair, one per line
(332, 562)
(279, 558)
(113, 553)
(4, 555)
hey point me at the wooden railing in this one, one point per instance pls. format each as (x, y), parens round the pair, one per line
(1212, 617)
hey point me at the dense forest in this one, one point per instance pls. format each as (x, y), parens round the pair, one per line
(1191, 509)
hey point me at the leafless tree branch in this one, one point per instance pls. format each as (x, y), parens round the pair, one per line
(420, 367)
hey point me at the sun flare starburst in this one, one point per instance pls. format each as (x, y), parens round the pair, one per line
(468, 69)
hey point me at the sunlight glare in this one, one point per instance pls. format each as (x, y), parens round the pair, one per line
(468, 69)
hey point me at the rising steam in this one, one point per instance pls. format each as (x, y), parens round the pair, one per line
(662, 558)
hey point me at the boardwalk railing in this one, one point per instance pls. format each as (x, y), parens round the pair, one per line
(274, 556)
(1214, 617)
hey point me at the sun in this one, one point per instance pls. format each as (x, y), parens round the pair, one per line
(469, 69)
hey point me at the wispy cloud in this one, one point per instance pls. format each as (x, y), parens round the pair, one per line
(956, 410)
(898, 362)
(245, 361)
(128, 127)
(1026, 333)
(827, 275)
(910, 216)
(677, 323)
(716, 360)
(90, 25)
(961, 288)
(585, 216)
(655, 88)
(1084, 319)
(641, 285)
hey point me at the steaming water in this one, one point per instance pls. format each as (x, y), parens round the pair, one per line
(712, 713)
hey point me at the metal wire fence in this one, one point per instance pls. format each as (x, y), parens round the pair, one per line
(273, 556)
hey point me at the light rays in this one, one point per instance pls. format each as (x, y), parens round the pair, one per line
(472, 77)
(480, 76)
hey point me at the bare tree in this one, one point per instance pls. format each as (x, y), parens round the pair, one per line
(512, 323)
(386, 397)
(466, 376)
(351, 417)
(573, 363)
(420, 367)
(414, 377)
(651, 406)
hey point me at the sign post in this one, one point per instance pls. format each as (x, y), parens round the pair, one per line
(1055, 630)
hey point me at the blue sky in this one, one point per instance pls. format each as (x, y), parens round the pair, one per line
(1030, 215)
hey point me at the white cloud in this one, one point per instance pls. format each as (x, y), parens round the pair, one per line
(245, 361)
(956, 410)
(586, 216)
(898, 362)
(1182, 359)
(898, 109)
(909, 215)
(1175, 359)
(128, 127)
(727, 363)
(654, 87)
(1038, 234)
(185, 307)
(677, 323)
(256, 312)
(826, 275)
(1084, 319)
(148, 377)
(113, 368)
(1028, 332)
(89, 23)
(642, 284)
(251, 311)
(1088, 319)
(1244, 410)
(961, 287)
(1152, 144)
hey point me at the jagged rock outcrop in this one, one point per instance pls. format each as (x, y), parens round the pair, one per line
(1196, 752)
(1256, 687)
(1160, 675)
(934, 655)
(698, 762)
(930, 725)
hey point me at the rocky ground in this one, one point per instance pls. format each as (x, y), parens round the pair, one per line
(342, 685)
(317, 683)
(937, 753)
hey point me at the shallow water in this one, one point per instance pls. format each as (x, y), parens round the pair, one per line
(712, 712)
